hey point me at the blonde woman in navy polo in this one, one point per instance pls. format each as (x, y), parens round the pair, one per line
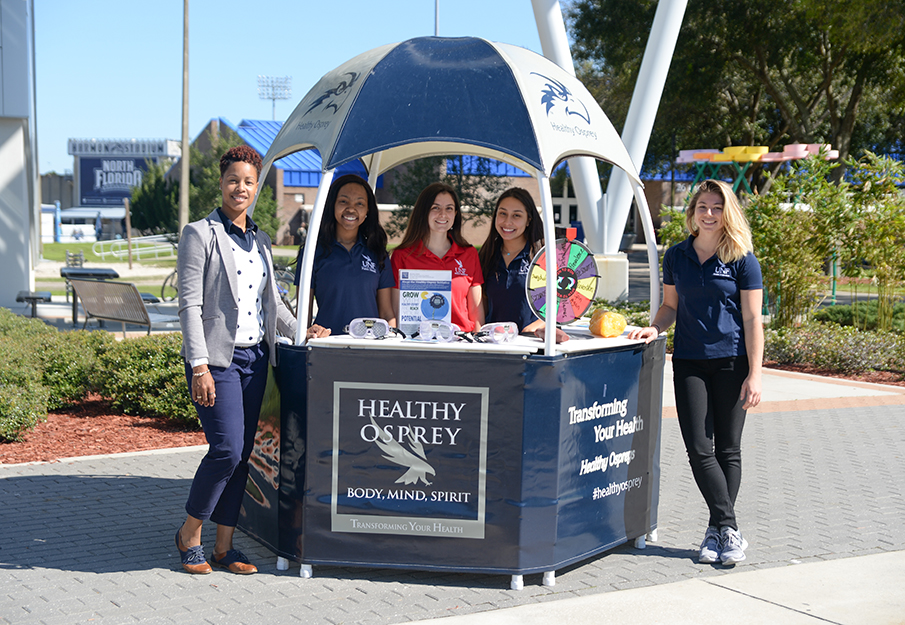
(433, 240)
(515, 236)
(352, 275)
(712, 290)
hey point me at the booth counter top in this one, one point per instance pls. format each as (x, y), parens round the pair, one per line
(580, 340)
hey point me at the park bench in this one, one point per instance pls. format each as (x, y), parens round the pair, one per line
(116, 301)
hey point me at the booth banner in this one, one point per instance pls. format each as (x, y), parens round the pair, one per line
(607, 435)
(430, 442)
(423, 295)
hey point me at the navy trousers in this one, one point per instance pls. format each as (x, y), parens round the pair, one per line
(230, 426)
(711, 418)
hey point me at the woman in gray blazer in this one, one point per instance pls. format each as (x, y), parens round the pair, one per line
(230, 313)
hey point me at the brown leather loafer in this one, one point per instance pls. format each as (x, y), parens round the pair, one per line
(192, 558)
(235, 562)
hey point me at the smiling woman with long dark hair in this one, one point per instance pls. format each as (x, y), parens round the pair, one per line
(516, 235)
(433, 240)
(352, 277)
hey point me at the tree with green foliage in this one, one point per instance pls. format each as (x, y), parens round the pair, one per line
(155, 202)
(472, 178)
(786, 242)
(877, 234)
(747, 72)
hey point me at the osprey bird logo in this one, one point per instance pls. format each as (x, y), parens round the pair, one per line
(416, 462)
(337, 93)
(558, 92)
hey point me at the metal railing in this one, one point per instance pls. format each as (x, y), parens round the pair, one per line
(156, 246)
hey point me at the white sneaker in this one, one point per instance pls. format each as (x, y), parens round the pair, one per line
(710, 548)
(734, 546)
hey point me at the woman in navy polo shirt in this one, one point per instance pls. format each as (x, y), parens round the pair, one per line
(352, 276)
(712, 290)
(433, 240)
(515, 237)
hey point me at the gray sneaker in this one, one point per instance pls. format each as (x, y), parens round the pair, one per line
(733, 546)
(710, 548)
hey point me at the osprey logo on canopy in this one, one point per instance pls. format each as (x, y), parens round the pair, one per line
(337, 95)
(556, 92)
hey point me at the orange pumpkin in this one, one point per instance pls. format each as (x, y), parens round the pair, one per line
(606, 323)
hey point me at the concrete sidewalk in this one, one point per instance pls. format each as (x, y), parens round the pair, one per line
(837, 591)
(822, 505)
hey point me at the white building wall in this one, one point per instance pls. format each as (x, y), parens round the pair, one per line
(20, 206)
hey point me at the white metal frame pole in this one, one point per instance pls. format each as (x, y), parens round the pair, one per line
(185, 160)
(653, 258)
(642, 112)
(550, 243)
(555, 46)
(303, 308)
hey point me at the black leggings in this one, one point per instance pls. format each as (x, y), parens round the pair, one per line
(711, 418)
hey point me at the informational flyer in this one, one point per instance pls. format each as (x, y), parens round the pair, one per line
(423, 295)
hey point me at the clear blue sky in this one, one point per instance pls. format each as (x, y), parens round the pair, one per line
(112, 69)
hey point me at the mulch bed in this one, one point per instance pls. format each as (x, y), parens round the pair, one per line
(93, 427)
(895, 378)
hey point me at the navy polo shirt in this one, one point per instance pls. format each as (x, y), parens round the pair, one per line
(505, 289)
(345, 284)
(709, 315)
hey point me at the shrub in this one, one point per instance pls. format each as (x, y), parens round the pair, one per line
(68, 361)
(43, 369)
(672, 227)
(21, 409)
(866, 318)
(23, 400)
(146, 376)
(839, 348)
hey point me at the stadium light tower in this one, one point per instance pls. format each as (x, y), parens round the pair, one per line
(274, 88)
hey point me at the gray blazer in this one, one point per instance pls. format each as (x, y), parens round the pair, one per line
(208, 311)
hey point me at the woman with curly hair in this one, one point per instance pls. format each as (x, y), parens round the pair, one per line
(712, 290)
(352, 275)
(230, 312)
(433, 241)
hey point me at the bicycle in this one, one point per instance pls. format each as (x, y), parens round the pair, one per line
(285, 281)
(170, 289)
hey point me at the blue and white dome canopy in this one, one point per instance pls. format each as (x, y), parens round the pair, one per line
(434, 96)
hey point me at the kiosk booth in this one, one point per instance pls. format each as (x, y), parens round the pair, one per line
(513, 458)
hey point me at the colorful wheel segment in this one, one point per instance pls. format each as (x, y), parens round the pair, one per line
(576, 281)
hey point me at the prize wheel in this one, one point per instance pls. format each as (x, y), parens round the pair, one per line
(576, 281)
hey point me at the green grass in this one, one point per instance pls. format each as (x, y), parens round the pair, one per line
(57, 252)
